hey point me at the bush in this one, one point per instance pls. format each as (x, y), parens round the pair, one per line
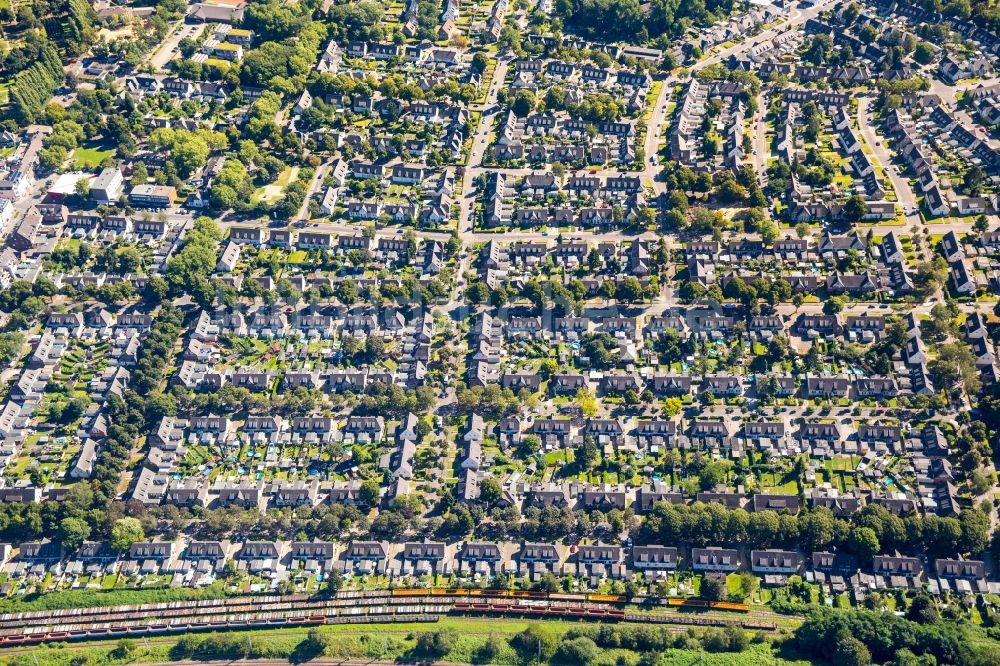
(438, 643)
(125, 649)
(317, 640)
(534, 642)
(825, 634)
(713, 589)
(213, 646)
(638, 638)
(580, 650)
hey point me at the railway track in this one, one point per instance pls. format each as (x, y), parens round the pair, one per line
(646, 618)
(398, 605)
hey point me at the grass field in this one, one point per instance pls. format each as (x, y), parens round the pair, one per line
(478, 642)
(89, 157)
(94, 598)
(273, 191)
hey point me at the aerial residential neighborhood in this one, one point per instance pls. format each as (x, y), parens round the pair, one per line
(500, 331)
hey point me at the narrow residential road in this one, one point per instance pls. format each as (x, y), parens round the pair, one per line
(905, 194)
(760, 148)
(655, 126)
(314, 185)
(866, 123)
(480, 141)
(949, 93)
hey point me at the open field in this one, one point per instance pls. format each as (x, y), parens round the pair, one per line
(91, 156)
(478, 641)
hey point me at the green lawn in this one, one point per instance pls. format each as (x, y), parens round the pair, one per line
(218, 62)
(93, 598)
(89, 157)
(273, 191)
(477, 641)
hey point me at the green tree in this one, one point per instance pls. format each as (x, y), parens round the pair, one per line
(923, 610)
(490, 491)
(437, 644)
(712, 588)
(586, 401)
(316, 642)
(672, 406)
(974, 178)
(535, 641)
(834, 304)
(125, 532)
(369, 492)
(82, 187)
(477, 292)
(588, 454)
(850, 651)
(523, 103)
(72, 532)
(864, 542)
(125, 649)
(547, 368)
(529, 446)
(10, 347)
(577, 651)
(855, 208)
(629, 290)
(769, 231)
(923, 53)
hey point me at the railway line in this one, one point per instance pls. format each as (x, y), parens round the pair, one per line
(348, 607)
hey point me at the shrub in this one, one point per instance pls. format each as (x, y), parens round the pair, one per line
(580, 650)
(438, 643)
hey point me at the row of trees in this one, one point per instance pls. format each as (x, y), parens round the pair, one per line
(34, 86)
(582, 645)
(593, 108)
(283, 66)
(626, 19)
(870, 531)
(76, 29)
(564, 298)
(860, 637)
(128, 415)
(579, 646)
(89, 509)
(25, 301)
(189, 270)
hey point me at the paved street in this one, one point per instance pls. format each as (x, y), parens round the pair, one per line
(169, 48)
(761, 149)
(314, 185)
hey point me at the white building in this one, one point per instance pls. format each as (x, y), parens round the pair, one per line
(108, 186)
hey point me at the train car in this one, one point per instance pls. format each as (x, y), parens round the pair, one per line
(607, 598)
(702, 603)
